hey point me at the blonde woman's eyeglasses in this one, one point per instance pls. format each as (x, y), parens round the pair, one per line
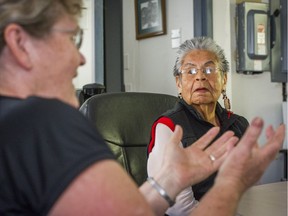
(76, 35)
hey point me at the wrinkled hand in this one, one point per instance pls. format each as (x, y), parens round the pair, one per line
(188, 166)
(247, 161)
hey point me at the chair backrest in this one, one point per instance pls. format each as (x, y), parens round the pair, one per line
(124, 120)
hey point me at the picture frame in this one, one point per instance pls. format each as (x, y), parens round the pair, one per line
(150, 18)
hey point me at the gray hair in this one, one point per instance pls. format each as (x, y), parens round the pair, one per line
(200, 43)
(36, 16)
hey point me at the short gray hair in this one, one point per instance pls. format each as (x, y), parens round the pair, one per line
(200, 43)
(36, 16)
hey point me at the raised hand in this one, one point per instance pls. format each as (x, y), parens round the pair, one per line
(190, 165)
(248, 160)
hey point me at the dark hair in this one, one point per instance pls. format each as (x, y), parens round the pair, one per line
(200, 43)
(35, 16)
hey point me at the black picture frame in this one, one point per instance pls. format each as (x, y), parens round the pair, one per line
(150, 18)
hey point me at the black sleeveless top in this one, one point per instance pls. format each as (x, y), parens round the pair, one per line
(194, 126)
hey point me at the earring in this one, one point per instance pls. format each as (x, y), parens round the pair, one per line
(226, 100)
(180, 96)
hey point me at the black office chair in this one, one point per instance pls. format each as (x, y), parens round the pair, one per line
(125, 120)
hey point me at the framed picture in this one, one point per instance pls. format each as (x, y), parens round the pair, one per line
(150, 18)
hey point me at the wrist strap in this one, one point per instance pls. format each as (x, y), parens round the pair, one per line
(160, 190)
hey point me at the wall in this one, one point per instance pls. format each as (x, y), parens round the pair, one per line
(148, 65)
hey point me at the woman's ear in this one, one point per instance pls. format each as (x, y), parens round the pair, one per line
(16, 39)
(224, 80)
(178, 83)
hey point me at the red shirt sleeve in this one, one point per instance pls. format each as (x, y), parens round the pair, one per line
(164, 120)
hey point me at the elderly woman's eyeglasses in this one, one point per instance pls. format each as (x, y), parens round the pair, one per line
(208, 70)
(76, 35)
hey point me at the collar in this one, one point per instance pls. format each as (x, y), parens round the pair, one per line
(225, 117)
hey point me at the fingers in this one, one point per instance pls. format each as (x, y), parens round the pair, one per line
(219, 147)
(269, 132)
(207, 138)
(227, 147)
(231, 145)
(220, 142)
(274, 144)
(252, 133)
(221, 153)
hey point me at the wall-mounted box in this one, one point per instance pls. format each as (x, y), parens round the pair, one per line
(253, 38)
(279, 58)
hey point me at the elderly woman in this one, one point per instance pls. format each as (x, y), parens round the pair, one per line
(201, 77)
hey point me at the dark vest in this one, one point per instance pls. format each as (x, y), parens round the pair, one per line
(194, 126)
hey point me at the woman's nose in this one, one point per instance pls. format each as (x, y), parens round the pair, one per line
(200, 76)
(82, 59)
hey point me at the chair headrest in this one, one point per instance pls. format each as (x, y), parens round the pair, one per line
(126, 118)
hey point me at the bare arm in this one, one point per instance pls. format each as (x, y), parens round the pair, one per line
(242, 168)
(102, 189)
